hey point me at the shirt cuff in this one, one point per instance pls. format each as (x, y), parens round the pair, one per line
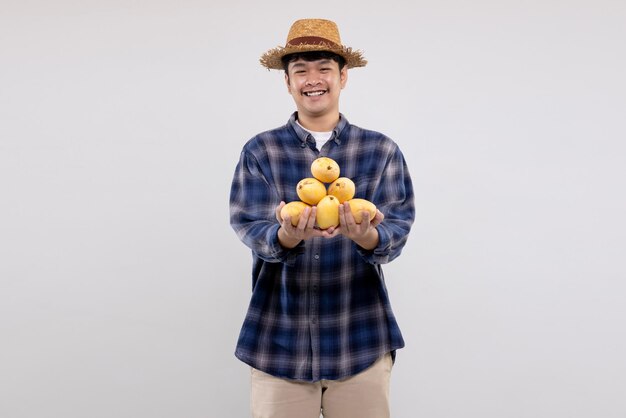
(380, 254)
(279, 253)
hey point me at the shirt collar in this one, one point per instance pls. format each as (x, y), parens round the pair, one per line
(305, 136)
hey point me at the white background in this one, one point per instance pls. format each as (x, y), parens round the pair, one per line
(122, 286)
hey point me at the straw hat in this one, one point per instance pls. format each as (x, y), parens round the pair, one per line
(312, 35)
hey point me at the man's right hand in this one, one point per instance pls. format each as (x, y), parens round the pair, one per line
(288, 235)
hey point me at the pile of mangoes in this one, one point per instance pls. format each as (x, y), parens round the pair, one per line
(312, 191)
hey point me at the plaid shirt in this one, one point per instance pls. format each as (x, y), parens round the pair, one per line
(319, 310)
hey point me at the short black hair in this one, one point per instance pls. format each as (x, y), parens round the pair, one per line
(313, 56)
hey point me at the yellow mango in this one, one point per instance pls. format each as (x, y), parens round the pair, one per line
(310, 190)
(343, 189)
(325, 169)
(294, 210)
(327, 212)
(358, 206)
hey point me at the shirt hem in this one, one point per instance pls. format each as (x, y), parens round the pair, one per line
(250, 362)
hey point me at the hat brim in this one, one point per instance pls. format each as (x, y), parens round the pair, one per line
(272, 58)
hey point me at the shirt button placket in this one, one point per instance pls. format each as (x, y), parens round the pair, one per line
(314, 310)
(314, 304)
(314, 293)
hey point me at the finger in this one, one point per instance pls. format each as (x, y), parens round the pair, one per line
(378, 218)
(365, 222)
(312, 218)
(302, 222)
(289, 229)
(342, 214)
(332, 232)
(349, 222)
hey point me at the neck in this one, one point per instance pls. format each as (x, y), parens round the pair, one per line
(324, 123)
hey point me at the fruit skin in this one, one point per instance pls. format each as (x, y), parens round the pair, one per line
(293, 209)
(325, 169)
(357, 206)
(310, 190)
(343, 189)
(327, 212)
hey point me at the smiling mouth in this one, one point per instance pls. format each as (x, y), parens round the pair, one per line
(314, 93)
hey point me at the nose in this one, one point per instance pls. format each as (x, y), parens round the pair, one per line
(312, 79)
(311, 83)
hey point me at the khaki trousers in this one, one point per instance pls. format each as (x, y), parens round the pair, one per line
(365, 395)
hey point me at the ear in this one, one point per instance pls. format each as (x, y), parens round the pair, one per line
(343, 76)
(287, 82)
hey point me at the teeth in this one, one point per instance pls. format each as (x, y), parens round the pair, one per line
(314, 93)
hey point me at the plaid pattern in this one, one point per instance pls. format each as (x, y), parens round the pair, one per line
(320, 310)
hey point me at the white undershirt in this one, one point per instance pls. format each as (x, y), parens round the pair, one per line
(320, 137)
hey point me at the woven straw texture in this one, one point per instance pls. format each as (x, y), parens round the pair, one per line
(312, 35)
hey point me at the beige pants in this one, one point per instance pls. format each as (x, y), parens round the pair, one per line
(365, 395)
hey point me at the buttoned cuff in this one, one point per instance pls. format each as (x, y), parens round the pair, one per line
(380, 254)
(280, 254)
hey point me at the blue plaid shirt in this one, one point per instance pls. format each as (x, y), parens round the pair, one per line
(319, 310)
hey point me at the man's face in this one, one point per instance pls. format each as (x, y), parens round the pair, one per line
(315, 86)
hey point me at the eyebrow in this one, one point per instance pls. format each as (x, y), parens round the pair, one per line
(324, 61)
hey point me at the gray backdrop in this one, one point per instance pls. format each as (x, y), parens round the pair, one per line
(122, 286)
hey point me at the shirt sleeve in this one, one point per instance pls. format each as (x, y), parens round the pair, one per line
(394, 198)
(252, 212)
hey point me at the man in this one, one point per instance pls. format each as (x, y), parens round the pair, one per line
(319, 333)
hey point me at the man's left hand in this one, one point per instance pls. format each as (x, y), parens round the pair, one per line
(364, 233)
